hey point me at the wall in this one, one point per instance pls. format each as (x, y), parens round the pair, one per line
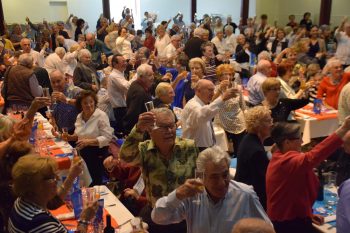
(280, 9)
(166, 9)
(15, 11)
(224, 8)
(89, 10)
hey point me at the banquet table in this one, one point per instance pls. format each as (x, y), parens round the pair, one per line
(58, 149)
(316, 125)
(121, 216)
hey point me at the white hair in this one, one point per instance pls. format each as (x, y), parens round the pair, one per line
(82, 53)
(60, 51)
(26, 59)
(164, 111)
(143, 69)
(264, 55)
(212, 154)
(175, 37)
(198, 32)
(229, 28)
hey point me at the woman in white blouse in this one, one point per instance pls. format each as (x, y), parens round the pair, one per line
(93, 134)
(123, 45)
(231, 115)
(162, 41)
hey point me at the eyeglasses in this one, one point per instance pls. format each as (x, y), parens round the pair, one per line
(165, 128)
(53, 180)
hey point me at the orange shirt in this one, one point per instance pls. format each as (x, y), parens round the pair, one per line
(332, 91)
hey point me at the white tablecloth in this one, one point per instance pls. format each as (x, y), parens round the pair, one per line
(312, 128)
(118, 211)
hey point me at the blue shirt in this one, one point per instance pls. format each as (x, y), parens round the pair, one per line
(64, 114)
(256, 95)
(343, 208)
(208, 217)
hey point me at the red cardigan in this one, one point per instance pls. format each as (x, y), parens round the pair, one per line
(291, 185)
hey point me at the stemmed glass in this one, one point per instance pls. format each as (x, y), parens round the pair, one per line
(46, 93)
(199, 175)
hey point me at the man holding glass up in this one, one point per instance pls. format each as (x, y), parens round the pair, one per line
(221, 204)
(166, 160)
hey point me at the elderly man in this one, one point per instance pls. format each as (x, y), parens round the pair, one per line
(64, 111)
(137, 95)
(164, 95)
(20, 83)
(65, 43)
(38, 58)
(218, 206)
(117, 88)
(198, 113)
(166, 160)
(193, 45)
(55, 33)
(332, 84)
(291, 184)
(96, 48)
(230, 23)
(342, 35)
(256, 95)
(173, 48)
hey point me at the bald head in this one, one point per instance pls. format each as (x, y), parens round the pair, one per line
(58, 80)
(204, 90)
(252, 225)
(25, 45)
(264, 67)
(90, 38)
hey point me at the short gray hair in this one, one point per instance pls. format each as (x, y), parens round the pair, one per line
(60, 51)
(82, 53)
(162, 88)
(229, 28)
(164, 111)
(143, 69)
(212, 154)
(264, 55)
(26, 59)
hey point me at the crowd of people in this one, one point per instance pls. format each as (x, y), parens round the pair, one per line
(142, 87)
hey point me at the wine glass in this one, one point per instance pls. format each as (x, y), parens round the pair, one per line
(199, 175)
(46, 93)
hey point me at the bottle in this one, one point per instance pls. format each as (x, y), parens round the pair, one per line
(108, 228)
(321, 188)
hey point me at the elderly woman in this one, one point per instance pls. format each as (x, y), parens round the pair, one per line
(162, 41)
(291, 184)
(16, 36)
(280, 107)
(84, 75)
(184, 90)
(231, 115)
(285, 70)
(35, 183)
(92, 133)
(123, 45)
(280, 43)
(333, 83)
(252, 160)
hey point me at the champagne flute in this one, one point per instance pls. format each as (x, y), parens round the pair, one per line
(149, 106)
(46, 93)
(199, 175)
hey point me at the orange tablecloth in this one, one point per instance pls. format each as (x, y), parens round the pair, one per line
(72, 223)
(64, 162)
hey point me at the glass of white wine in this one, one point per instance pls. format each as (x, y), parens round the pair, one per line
(199, 175)
(46, 93)
(149, 106)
